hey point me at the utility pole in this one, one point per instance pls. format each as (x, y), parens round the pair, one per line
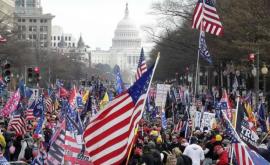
(257, 87)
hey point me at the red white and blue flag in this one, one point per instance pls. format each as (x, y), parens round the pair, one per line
(109, 135)
(142, 67)
(205, 18)
(243, 154)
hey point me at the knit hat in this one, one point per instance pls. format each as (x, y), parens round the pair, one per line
(218, 138)
(2, 141)
(159, 139)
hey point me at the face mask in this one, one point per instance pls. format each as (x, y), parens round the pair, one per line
(12, 149)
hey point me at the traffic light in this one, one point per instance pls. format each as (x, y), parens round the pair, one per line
(36, 74)
(251, 57)
(30, 74)
(6, 71)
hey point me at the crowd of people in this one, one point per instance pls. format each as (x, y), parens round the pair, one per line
(179, 142)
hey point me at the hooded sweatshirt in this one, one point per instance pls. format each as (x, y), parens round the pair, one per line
(195, 152)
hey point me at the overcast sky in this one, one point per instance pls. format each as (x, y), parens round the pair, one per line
(96, 20)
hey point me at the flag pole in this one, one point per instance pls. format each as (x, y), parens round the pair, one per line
(148, 89)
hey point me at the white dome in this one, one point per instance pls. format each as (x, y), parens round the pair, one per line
(126, 24)
(126, 34)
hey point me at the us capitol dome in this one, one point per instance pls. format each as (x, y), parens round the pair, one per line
(125, 49)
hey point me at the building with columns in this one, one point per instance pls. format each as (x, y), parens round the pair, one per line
(32, 23)
(125, 49)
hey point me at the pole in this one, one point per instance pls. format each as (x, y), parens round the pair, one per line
(197, 74)
(257, 79)
(133, 140)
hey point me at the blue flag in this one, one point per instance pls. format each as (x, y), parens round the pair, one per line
(119, 81)
(262, 118)
(38, 130)
(203, 48)
(38, 109)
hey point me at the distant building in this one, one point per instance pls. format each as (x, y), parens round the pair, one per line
(126, 47)
(7, 8)
(58, 34)
(66, 44)
(32, 23)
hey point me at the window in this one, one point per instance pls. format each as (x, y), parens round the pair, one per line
(23, 36)
(34, 20)
(45, 36)
(33, 28)
(34, 36)
(30, 20)
(69, 38)
(54, 44)
(58, 38)
(41, 21)
(43, 28)
(30, 36)
(19, 20)
(45, 21)
(66, 38)
(54, 38)
(23, 20)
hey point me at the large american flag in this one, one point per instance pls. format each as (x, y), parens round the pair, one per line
(142, 67)
(205, 18)
(109, 135)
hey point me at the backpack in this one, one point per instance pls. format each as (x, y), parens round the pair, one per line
(184, 160)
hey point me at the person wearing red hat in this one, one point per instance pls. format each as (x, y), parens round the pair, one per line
(223, 156)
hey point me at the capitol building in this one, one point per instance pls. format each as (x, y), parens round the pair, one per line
(125, 49)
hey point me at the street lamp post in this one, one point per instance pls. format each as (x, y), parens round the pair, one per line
(264, 71)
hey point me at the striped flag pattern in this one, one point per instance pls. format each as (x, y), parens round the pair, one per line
(18, 124)
(205, 18)
(49, 104)
(142, 67)
(179, 126)
(109, 135)
(56, 152)
(29, 115)
(73, 151)
(241, 154)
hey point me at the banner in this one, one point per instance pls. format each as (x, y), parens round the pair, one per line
(206, 120)
(12, 104)
(197, 119)
(244, 129)
(161, 94)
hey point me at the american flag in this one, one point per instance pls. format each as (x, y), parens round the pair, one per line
(56, 152)
(203, 48)
(74, 150)
(18, 124)
(109, 135)
(244, 155)
(179, 126)
(49, 104)
(142, 67)
(205, 18)
(29, 115)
